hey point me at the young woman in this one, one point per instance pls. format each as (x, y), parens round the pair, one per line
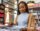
(24, 20)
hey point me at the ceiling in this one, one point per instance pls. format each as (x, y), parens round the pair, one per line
(12, 4)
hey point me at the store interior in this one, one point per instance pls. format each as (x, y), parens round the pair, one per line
(10, 11)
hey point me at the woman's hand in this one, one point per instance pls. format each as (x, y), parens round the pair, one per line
(30, 28)
(10, 24)
(23, 29)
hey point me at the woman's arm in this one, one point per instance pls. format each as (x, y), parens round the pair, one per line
(31, 22)
(13, 23)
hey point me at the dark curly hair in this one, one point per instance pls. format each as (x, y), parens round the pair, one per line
(18, 12)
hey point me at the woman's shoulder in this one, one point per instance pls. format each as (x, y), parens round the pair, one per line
(17, 16)
(30, 14)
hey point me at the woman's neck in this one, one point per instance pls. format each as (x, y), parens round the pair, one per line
(24, 13)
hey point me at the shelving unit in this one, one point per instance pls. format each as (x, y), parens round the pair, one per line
(36, 12)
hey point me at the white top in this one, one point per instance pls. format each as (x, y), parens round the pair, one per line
(22, 21)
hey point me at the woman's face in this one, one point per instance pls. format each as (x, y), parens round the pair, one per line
(22, 8)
